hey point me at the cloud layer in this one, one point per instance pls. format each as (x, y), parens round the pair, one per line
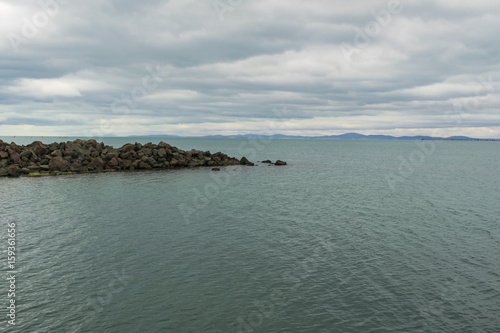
(187, 67)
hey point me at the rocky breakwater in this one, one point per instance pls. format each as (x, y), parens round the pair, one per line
(81, 156)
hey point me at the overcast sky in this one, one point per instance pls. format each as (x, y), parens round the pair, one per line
(199, 67)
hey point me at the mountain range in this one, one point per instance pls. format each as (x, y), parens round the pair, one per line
(346, 136)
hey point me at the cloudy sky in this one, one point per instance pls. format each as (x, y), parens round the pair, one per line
(199, 67)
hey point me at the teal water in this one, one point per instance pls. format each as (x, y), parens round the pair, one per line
(351, 236)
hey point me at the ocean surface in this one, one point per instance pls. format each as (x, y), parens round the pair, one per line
(351, 236)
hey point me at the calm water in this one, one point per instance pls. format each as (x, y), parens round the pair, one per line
(350, 237)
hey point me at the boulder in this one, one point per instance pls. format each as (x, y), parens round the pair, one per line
(113, 163)
(26, 153)
(126, 148)
(162, 152)
(77, 167)
(245, 161)
(25, 171)
(13, 170)
(278, 163)
(38, 148)
(56, 152)
(215, 169)
(267, 161)
(126, 155)
(4, 154)
(58, 164)
(96, 164)
(145, 166)
(14, 157)
(111, 154)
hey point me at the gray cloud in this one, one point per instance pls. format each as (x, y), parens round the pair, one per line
(429, 65)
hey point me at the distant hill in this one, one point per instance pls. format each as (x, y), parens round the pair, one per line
(346, 136)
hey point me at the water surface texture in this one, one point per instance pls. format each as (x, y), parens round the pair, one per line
(351, 236)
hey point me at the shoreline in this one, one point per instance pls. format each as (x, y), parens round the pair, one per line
(88, 156)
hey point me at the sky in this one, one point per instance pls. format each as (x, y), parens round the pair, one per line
(205, 67)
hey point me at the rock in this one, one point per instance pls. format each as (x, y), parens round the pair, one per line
(245, 161)
(3, 172)
(83, 155)
(96, 164)
(76, 167)
(278, 163)
(126, 164)
(91, 143)
(267, 161)
(128, 147)
(14, 157)
(38, 148)
(145, 166)
(215, 169)
(56, 152)
(162, 152)
(34, 157)
(113, 163)
(13, 170)
(58, 164)
(111, 154)
(126, 155)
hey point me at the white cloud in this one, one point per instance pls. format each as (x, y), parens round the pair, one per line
(227, 76)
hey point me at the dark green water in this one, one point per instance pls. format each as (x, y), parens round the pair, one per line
(352, 236)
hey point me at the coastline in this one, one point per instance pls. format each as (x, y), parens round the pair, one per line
(88, 156)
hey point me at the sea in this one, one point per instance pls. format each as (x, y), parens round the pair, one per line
(350, 236)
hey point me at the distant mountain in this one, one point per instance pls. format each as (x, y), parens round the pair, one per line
(346, 136)
(156, 136)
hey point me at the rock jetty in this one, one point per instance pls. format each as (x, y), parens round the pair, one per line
(82, 156)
